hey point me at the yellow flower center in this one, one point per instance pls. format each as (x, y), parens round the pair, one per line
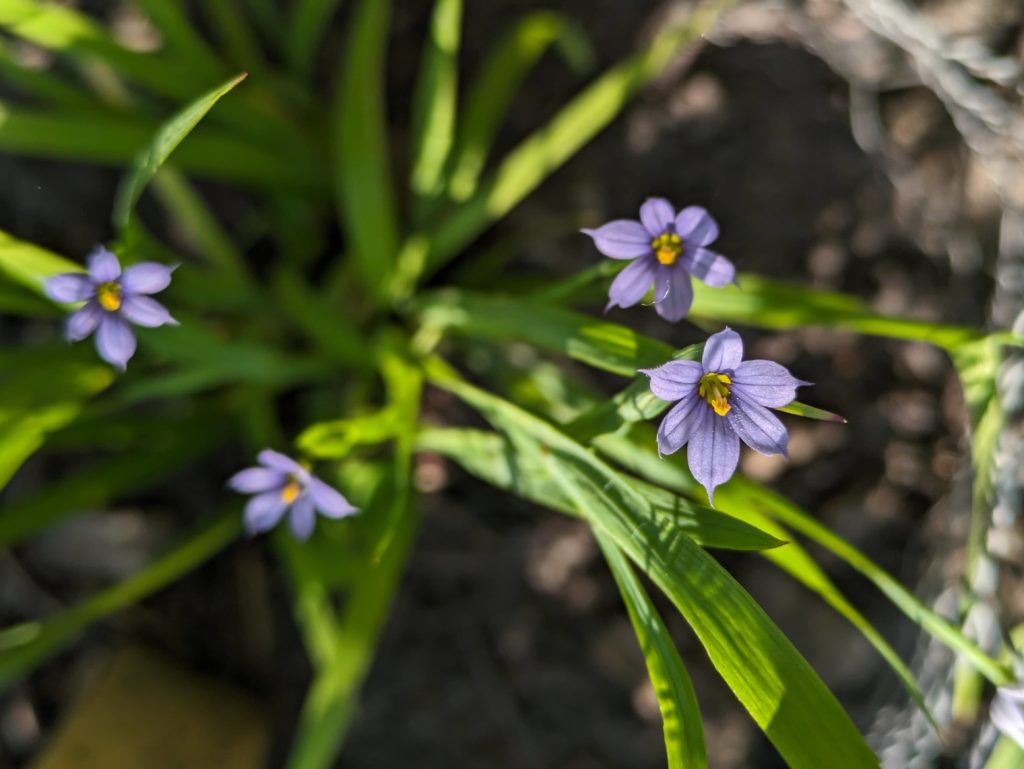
(714, 388)
(291, 490)
(667, 247)
(109, 295)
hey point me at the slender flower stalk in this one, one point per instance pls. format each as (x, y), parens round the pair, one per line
(113, 300)
(666, 249)
(281, 485)
(721, 401)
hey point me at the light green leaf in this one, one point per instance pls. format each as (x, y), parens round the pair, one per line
(41, 391)
(491, 93)
(170, 135)
(433, 119)
(680, 712)
(24, 647)
(780, 690)
(497, 461)
(29, 265)
(362, 177)
(741, 497)
(634, 452)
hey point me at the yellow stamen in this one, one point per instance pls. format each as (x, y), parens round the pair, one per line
(109, 296)
(714, 388)
(291, 491)
(667, 247)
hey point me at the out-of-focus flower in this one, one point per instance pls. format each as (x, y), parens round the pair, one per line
(722, 400)
(1007, 712)
(666, 249)
(280, 484)
(113, 299)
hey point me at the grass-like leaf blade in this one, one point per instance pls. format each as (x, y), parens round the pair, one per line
(362, 175)
(170, 135)
(778, 687)
(680, 712)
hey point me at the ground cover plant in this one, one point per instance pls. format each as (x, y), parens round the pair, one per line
(306, 349)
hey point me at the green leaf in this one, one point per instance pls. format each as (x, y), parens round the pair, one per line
(41, 391)
(337, 438)
(497, 461)
(330, 703)
(741, 497)
(212, 153)
(168, 446)
(776, 304)
(544, 151)
(362, 177)
(29, 265)
(781, 691)
(680, 713)
(433, 120)
(60, 28)
(307, 22)
(634, 452)
(491, 93)
(606, 346)
(26, 646)
(603, 345)
(182, 36)
(170, 135)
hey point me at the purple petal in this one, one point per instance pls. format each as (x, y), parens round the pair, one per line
(621, 239)
(714, 451)
(695, 225)
(147, 278)
(328, 501)
(143, 311)
(674, 380)
(757, 426)
(103, 265)
(766, 383)
(713, 269)
(679, 423)
(673, 293)
(83, 322)
(254, 480)
(630, 285)
(263, 512)
(115, 341)
(723, 351)
(657, 214)
(277, 461)
(69, 287)
(303, 518)
(1007, 715)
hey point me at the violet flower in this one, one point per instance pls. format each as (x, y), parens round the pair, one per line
(280, 485)
(666, 249)
(112, 299)
(1007, 712)
(721, 401)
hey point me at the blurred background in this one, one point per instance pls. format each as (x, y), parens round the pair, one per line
(867, 146)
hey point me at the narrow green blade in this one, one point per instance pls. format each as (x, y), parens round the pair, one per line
(164, 143)
(433, 120)
(680, 713)
(362, 175)
(24, 647)
(781, 691)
